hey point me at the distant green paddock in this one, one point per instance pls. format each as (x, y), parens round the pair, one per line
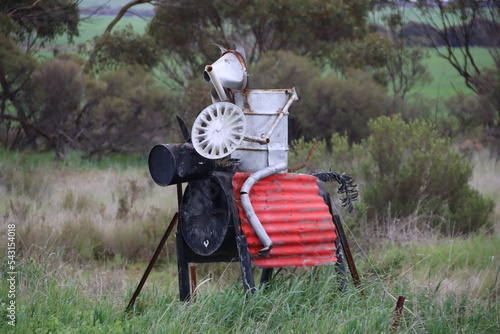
(96, 25)
(446, 81)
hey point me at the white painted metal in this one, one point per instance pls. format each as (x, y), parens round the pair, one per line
(218, 130)
(214, 79)
(266, 137)
(229, 71)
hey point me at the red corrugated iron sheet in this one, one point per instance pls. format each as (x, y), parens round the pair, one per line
(295, 217)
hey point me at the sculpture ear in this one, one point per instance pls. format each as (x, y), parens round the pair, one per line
(184, 129)
(222, 49)
(241, 51)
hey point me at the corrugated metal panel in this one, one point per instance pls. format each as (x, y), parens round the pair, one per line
(295, 217)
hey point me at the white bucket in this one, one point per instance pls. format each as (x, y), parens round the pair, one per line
(266, 114)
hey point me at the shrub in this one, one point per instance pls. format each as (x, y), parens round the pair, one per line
(327, 103)
(411, 170)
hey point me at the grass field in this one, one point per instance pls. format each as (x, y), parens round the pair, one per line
(96, 25)
(86, 229)
(446, 80)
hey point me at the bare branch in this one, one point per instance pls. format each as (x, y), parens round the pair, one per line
(122, 12)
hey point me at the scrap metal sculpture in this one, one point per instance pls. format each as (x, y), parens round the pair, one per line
(241, 203)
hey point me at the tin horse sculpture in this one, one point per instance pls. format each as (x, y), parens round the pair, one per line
(242, 202)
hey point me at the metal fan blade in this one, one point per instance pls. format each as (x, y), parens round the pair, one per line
(184, 129)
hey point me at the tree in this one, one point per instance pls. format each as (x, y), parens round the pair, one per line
(455, 25)
(186, 30)
(124, 47)
(404, 62)
(122, 111)
(130, 112)
(103, 45)
(16, 68)
(35, 22)
(24, 25)
(327, 103)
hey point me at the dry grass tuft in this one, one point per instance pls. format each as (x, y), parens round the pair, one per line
(85, 214)
(486, 179)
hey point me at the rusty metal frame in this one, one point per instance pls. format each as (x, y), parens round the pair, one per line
(152, 262)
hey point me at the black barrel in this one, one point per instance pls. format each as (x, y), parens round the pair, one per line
(177, 163)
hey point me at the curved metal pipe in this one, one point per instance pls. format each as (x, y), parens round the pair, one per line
(248, 208)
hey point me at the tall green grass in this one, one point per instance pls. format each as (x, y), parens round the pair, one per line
(69, 300)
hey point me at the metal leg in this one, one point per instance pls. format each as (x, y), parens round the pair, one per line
(266, 275)
(153, 261)
(339, 266)
(347, 251)
(245, 263)
(183, 268)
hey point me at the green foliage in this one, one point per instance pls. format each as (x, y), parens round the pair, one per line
(125, 47)
(369, 53)
(15, 68)
(185, 30)
(342, 106)
(412, 170)
(327, 104)
(130, 110)
(39, 21)
(60, 108)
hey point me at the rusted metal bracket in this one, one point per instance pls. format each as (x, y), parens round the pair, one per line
(398, 312)
(347, 251)
(193, 282)
(152, 262)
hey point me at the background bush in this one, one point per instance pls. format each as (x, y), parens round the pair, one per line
(328, 104)
(411, 170)
(404, 169)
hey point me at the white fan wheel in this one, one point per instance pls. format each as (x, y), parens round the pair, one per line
(218, 130)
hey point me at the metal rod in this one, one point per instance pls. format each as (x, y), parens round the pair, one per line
(179, 196)
(255, 139)
(182, 268)
(193, 282)
(153, 261)
(347, 252)
(245, 264)
(398, 311)
(216, 82)
(282, 113)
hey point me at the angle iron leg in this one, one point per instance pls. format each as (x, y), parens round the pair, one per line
(245, 263)
(153, 261)
(339, 266)
(266, 275)
(347, 251)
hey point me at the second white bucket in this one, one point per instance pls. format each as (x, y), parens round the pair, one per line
(266, 137)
